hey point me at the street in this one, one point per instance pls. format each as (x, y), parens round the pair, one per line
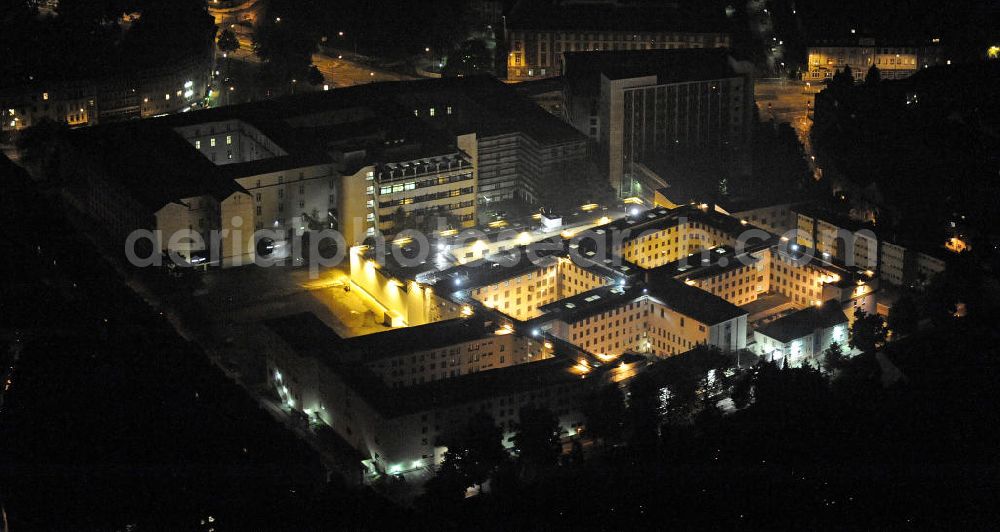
(341, 70)
(791, 102)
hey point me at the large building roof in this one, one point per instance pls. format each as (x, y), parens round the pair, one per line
(691, 301)
(305, 333)
(157, 166)
(804, 322)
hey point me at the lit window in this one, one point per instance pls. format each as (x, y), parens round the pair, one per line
(197, 144)
(229, 139)
(416, 112)
(449, 109)
(45, 96)
(212, 141)
(432, 111)
(166, 96)
(370, 217)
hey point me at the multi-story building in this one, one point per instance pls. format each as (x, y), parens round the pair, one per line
(180, 83)
(545, 322)
(520, 146)
(893, 61)
(393, 396)
(850, 242)
(369, 160)
(539, 32)
(857, 244)
(645, 105)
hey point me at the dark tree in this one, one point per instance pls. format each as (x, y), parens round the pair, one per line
(605, 412)
(833, 357)
(474, 452)
(37, 146)
(843, 78)
(285, 49)
(868, 332)
(315, 77)
(537, 437)
(873, 77)
(228, 42)
(470, 58)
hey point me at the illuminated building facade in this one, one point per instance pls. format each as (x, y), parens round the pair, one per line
(893, 62)
(540, 32)
(536, 54)
(502, 331)
(379, 393)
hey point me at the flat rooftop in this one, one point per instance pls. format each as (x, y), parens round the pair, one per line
(583, 70)
(305, 332)
(590, 303)
(804, 322)
(709, 263)
(691, 301)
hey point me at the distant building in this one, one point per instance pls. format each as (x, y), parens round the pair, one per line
(893, 61)
(371, 159)
(645, 105)
(539, 32)
(179, 83)
(803, 335)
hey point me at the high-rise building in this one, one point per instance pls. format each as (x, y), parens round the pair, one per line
(648, 105)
